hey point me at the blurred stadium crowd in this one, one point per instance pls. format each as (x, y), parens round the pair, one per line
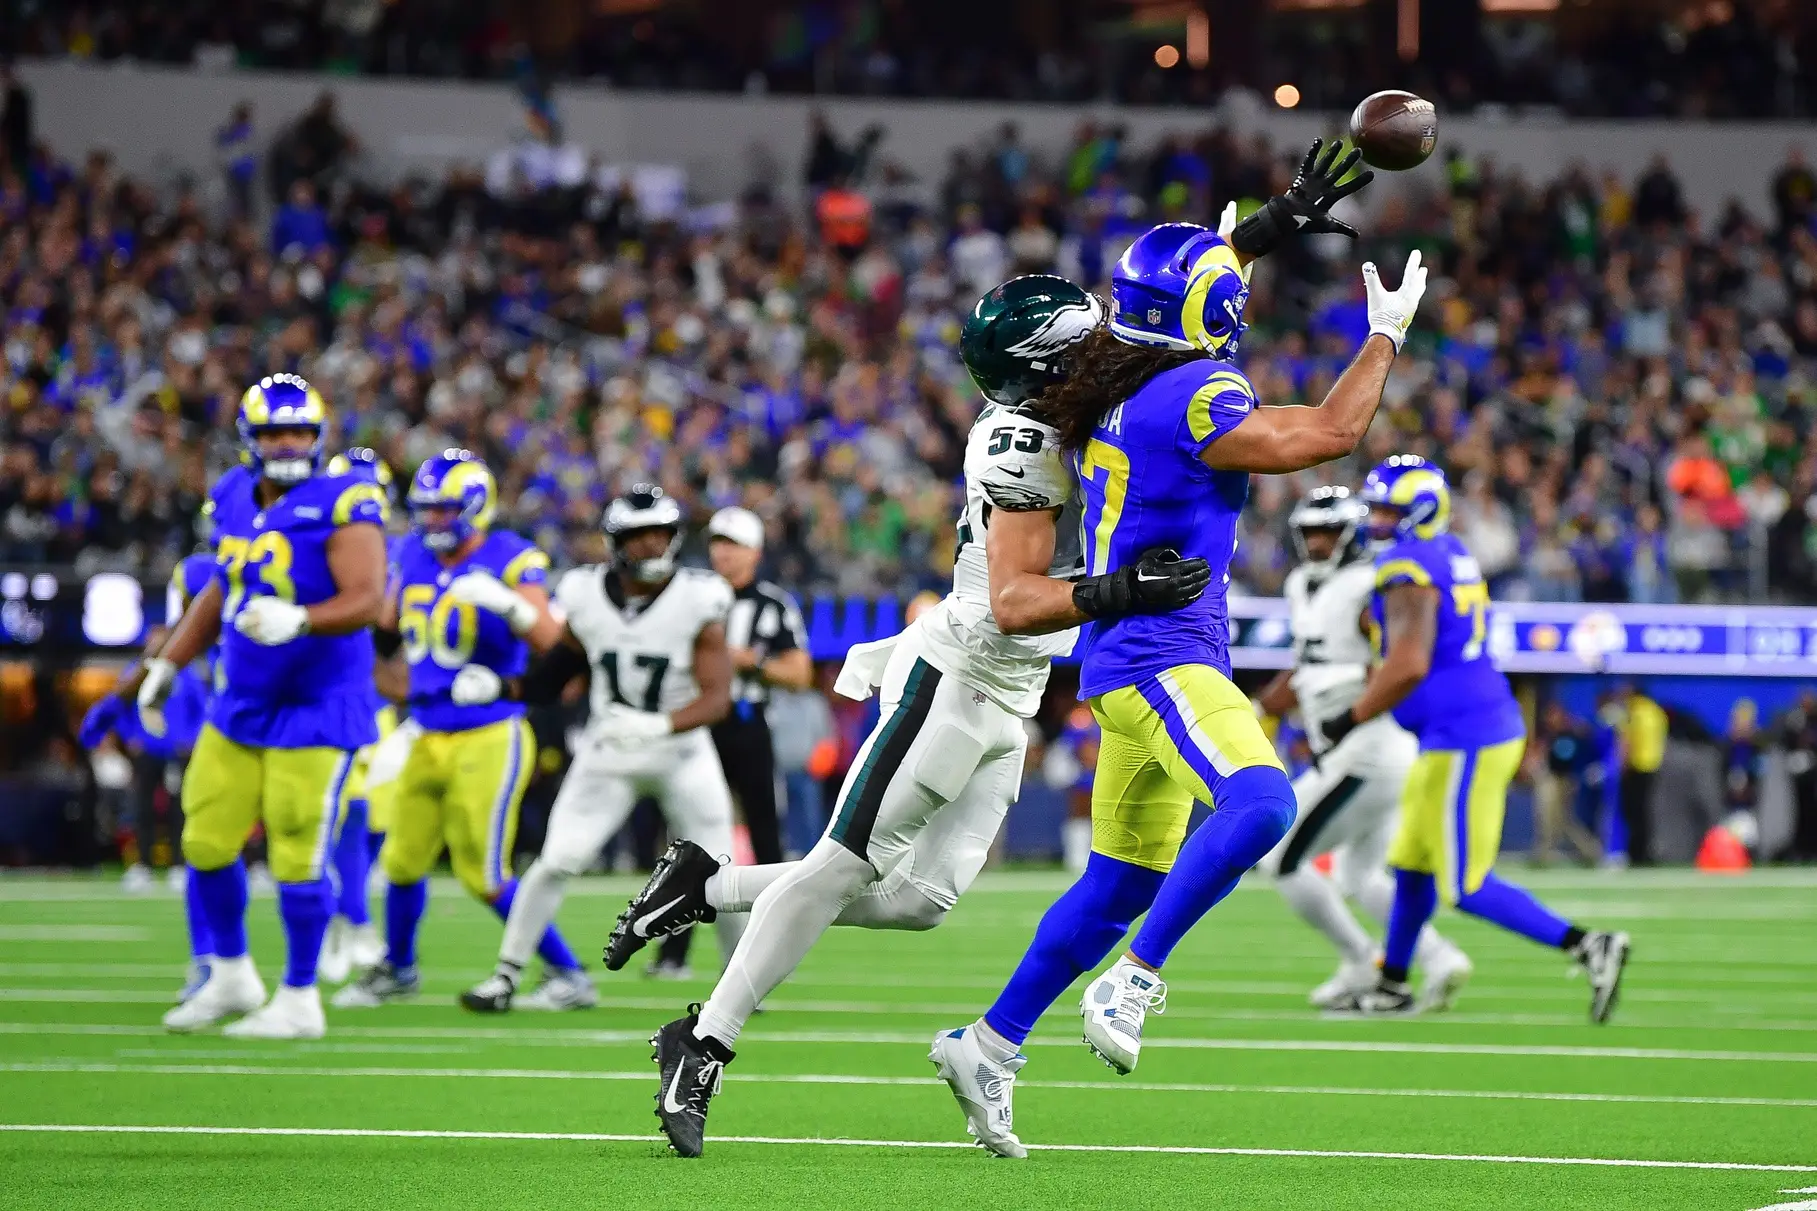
(1624, 390)
(1754, 58)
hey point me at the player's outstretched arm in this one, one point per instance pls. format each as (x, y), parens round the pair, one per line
(713, 673)
(1275, 441)
(356, 560)
(1411, 613)
(1025, 600)
(192, 635)
(524, 607)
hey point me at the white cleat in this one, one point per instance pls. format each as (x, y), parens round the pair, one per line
(292, 1013)
(233, 986)
(1352, 977)
(559, 991)
(1114, 1007)
(177, 879)
(365, 949)
(1445, 977)
(259, 881)
(195, 977)
(336, 964)
(138, 879)
(984, 1089)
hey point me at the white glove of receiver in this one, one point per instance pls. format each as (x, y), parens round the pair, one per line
(494, 596)
(160, 675)
(1227, 223)
(476, 685)
(627, 725)
(269, 621)
(1391, 311)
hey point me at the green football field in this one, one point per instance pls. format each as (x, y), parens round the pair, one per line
(1701, 1094)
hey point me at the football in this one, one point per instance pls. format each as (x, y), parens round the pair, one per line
(1395, 130)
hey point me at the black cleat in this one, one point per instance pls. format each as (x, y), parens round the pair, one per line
(674, 898)
(689, 1070)
(491, 995)
(1603, 956)
(1388, 999)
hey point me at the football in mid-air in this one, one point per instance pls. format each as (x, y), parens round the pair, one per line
(1395, 130)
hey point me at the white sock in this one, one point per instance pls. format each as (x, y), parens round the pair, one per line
(1376, 895)
(993, 1044)
(786, 921)
(238, 965)
(1319, 903)
(1075, 844)
(736, 888)
(539, 895)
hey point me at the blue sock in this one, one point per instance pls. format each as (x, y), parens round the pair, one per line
(404, 906)
(1415, 900)
(195, 913)
(1088, 919)
(374, 841)
(304, 908)
(1514, 908)
(553, 950)
(1254, 811)
(223, 894)
(352, 860)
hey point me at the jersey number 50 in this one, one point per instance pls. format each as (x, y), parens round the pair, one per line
(425, 630)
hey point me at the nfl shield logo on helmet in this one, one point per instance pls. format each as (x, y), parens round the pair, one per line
(1154, 315)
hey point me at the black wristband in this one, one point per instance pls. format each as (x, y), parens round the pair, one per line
(1101, 597)
(1259, 234)
(386, 643)
(1334, 730)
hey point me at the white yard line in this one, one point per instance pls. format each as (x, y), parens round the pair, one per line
(535, 1036)
(1561, 1020)
(91, 1067)
(1180, 1150)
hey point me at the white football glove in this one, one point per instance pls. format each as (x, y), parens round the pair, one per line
(160, 676)
(1391, 311)
(270, 621)
(627, 725)
(489, 593)
(476, 685)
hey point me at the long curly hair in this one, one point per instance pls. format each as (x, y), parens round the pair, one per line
(1103, 372)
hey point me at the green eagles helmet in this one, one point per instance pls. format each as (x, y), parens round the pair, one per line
(1015, 340)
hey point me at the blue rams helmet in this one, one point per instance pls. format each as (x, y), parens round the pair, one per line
(1179, 286)
(282, 401)
(457, 480)
(365, 462)
(1416, 489)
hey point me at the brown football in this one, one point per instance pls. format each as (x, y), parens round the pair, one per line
(1395, 130)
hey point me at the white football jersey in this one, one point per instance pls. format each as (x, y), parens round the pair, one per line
(642, 649)
(1331, 653)
(1013, 461)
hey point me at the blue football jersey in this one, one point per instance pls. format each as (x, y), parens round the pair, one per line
(316, 690)
(1464, 702)
(442, 634)
(1145, 486)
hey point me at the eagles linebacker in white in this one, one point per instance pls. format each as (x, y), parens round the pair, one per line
(929, 788)
(1349, 799)
(654, 639)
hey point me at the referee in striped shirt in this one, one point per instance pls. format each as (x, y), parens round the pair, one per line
(769, 648)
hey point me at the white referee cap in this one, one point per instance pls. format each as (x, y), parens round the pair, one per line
(737, 525)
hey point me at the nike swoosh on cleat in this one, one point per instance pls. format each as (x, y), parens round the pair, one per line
(642, 924)
(668, 1098)
(1300, 220)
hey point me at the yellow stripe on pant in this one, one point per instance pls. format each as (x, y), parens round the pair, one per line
(1169, 740)
(460, 790)
(1451, 814)
(300, 794)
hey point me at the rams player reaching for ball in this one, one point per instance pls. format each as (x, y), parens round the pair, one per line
(299, 577)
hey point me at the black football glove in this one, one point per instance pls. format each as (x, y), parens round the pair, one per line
(1305, 209)
(1156, 583)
